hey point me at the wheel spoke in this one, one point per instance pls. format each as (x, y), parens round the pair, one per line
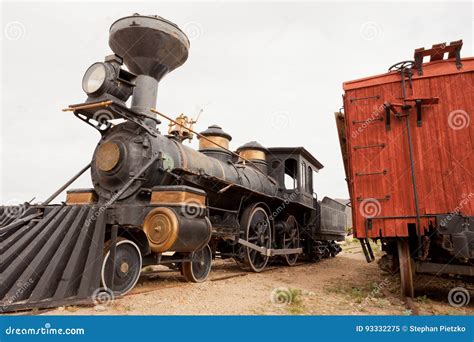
(253, 253)
(125, 268)
(198, 269)
(258, 233)
(291, 240)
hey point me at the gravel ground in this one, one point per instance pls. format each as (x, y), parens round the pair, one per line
(344, 285)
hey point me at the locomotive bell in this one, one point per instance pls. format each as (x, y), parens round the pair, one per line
(151, 47)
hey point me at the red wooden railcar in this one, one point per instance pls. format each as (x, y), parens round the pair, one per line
(407, 142)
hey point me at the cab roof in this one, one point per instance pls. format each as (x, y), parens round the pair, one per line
(297, 151)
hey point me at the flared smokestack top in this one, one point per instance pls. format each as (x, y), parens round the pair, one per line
(151, 47)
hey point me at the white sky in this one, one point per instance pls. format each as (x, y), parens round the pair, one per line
(265, 71)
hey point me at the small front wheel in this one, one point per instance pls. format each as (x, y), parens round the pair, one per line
(197, 270)
(125, 269)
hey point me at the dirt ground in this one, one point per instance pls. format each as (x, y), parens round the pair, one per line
(344, 285)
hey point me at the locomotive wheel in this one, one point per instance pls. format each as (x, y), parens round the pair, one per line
(406, 274)
(197, 271)
(257, 230)
(291, 240)
(128, 264)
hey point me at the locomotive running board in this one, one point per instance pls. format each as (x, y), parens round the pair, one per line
(53, 259)
(270, 251)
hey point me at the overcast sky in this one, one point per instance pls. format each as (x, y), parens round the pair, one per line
(265, 71)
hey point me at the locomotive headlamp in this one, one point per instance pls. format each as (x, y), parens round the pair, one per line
(108, 78)
(94, 78)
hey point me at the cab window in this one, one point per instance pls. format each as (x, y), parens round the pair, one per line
(291, 174)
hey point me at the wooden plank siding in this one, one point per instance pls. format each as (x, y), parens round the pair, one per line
(443, 155)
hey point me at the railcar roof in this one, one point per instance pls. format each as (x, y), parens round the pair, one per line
(430, 69)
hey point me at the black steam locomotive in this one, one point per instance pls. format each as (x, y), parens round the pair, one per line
(155, 200)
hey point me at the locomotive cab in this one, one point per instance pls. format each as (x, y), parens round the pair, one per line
(294, 168)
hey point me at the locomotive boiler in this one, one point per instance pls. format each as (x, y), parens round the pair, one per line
(156, 201)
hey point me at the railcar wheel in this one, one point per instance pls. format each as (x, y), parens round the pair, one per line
(257, 230)
(406, 274)
(291, 240)
(197, 271)
(126, 268)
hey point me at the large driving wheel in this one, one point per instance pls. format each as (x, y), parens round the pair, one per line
(256, 229)
(197, 271)
(291, 240)
(126, 268)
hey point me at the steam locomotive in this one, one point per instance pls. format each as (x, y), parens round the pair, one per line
(156, 201)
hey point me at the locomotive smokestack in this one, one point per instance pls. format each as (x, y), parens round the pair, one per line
(151, 47)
